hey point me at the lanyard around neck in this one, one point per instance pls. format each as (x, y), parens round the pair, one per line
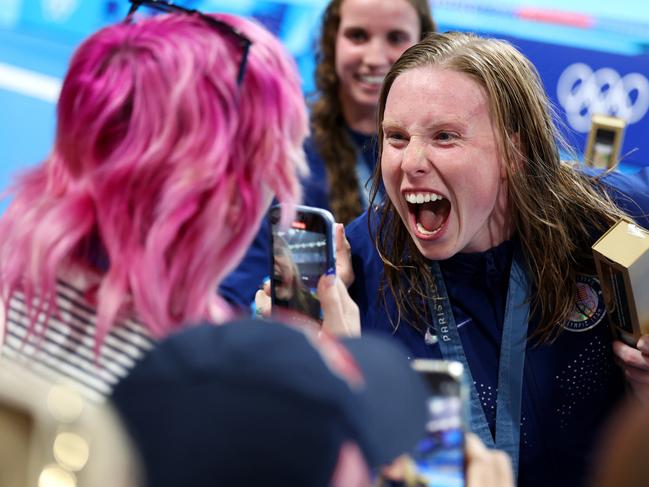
(510, 367)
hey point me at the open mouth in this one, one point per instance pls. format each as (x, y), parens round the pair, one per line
(430, 210)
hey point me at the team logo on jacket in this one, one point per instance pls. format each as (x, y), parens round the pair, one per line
(589, 307)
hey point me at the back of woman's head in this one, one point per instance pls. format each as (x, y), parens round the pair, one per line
(162, 163)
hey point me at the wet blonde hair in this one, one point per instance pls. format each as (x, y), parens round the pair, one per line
(555, 211)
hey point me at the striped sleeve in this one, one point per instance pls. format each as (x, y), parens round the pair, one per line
(63, 351)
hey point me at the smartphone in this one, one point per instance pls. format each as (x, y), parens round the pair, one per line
(439, 456)
(300, 255)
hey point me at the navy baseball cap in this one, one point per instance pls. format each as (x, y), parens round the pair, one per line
(256, 402)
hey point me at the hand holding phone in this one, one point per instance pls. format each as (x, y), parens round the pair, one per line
(300, 255)
(485, 467)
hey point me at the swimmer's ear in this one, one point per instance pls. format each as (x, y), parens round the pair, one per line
(518, 151)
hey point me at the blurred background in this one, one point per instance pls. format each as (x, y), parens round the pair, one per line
(593, 57)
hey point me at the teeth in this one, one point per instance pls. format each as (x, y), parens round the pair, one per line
(423, 231)
(419, 198)
(377, 80)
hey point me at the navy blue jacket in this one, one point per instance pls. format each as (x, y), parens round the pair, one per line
(569, 386)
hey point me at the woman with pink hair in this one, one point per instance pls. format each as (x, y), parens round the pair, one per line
(174, 132)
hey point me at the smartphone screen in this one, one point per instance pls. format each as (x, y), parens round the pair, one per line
(301, 254)
(439, 456)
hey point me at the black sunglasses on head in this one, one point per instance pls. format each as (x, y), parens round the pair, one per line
(170, 7)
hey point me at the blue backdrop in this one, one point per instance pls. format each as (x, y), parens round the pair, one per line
(593, 57)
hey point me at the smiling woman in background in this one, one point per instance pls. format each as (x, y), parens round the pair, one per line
(360, 40)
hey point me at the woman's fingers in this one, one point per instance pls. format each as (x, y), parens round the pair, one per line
(262, 304)
(340, 313)
(635, 363)
(485, 467)
(344, 268)
(262, 300)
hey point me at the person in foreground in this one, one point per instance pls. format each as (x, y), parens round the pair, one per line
(622, 455)
(257, 402)
(174, 133)
(481, 252)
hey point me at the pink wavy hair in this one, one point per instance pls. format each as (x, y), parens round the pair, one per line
(162, 163)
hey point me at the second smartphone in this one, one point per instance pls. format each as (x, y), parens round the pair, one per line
(439, 456)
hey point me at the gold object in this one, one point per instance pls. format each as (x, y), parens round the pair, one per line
(604, 141)
(622, 261)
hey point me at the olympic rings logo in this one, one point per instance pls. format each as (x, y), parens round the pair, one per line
(583, 92)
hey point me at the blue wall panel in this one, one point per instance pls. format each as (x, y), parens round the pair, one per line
(603, 46)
